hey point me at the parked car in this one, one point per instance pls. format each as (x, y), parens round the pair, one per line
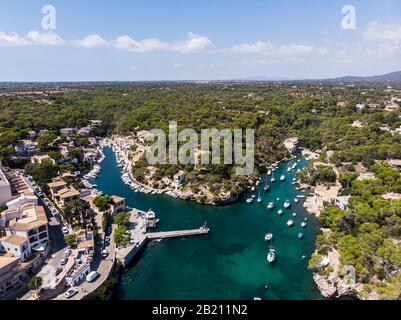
(64, 261)
(67, 252)
(57, 272)
(92, 276)
(65, 230)
(105, 254)
(70, 293)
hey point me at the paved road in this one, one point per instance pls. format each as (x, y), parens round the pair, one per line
(103, 266)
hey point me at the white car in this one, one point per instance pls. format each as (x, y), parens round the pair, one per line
(67, 252)
(92, 276)
(70, 293)
(65, 230)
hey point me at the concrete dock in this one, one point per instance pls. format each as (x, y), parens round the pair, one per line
(177, 234)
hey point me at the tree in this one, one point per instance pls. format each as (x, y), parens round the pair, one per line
(75, 211)
(45, 140)
(122, 219)
(70, 239)
(103, 203)
(42, 173)
(35, 283)
(120, 237)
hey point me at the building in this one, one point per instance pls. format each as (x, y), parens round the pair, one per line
(342, 202)
(5, 188)
(26, 148)
(119, 204)
(56, 185)
(66, 195)
(85, 131)
(291, 144)
(67, 131)
(63, 149)
(179, 178)
(21, 200)
(391, 107)
(40, 158)
(143, 135)
(360, 106)
(9, 278)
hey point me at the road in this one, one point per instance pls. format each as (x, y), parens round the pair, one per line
(103, 266)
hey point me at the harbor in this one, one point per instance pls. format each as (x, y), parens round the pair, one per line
(232, 258)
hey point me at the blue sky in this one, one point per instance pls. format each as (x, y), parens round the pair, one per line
(197, 40)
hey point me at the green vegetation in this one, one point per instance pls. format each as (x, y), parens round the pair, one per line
(103, 203)
(35, 283)
(318, 174)
(70, 239)
(121, 237)
(122, 219)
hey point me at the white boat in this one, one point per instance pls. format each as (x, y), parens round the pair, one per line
(249, 200)
(289, 169)
(287, 204)
(296, 200)
(259, 198)
(290, 223)
(280, 212)
(272, 179)
(282, 178)
(303, 224)
(301, 197)
(254, 196)
(294, 214)
(268, 236)
(253, 189)
(266, 188)
(271, 256)
(256, 298)
(270, 205)
(269, 172)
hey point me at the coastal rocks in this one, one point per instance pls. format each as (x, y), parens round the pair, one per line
(326, 286)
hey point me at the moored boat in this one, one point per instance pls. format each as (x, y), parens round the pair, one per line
(270, 205)
(287, 204)
(282, 178)
(268, 236)
(271, 256)
(290, 223)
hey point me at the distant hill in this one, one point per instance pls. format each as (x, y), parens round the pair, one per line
(389, 77)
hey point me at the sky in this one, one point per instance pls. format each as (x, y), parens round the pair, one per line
(142, 40)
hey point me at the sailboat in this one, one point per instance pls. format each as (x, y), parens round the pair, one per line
(269, 172)
(270, 205)
(267, 187)
(249, 200)
(280, 212)
(273, 179)
(259, 197)
(282, 178)
(268, 236)
(287, 204)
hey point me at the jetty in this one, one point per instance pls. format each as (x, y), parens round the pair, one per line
(177, 234)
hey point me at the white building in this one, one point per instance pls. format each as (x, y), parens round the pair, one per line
(5, 188)
(67, 131)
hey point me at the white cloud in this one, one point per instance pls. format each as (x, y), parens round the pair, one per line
(12, 40)
(91, 41)
(268, 48)
(44, 39)
(195, 43)
(126, 43)
(377, 31)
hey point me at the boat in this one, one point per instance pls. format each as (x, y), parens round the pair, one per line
(282, 178)
(256, 298)
(280, 212)
(296, 200)
(289, 169)
(266, 188)
(294, 214)
(287, 204)
(290, 223)
(269, 172)
(303, 224)
(272, 179)
(301, 197)
(253, 188)
(270, 205)
(259, 198)
(271, 256)
(300, 235)
(268, 236)
(253, 195)
(306, 219)
(249, 200)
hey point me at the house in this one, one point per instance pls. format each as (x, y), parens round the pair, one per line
(5, 188)
(119, 204)
(95, 123)
(392, 196)
(21, 200)
(56, 185)
(26, 230)
(66, 195)
(9, 278)
(391, 107)
(360, 106)
(84, 131)
(342, 202)
(357, 124)
(179, 178)
(291, 144)
(25, 148)
(67, 131)
(63, 149)
(40, 158)
(366, 176)
(143, 135)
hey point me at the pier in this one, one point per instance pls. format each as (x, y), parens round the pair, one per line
(177, 234)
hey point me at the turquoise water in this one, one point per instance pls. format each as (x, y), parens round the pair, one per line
(230, 262)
